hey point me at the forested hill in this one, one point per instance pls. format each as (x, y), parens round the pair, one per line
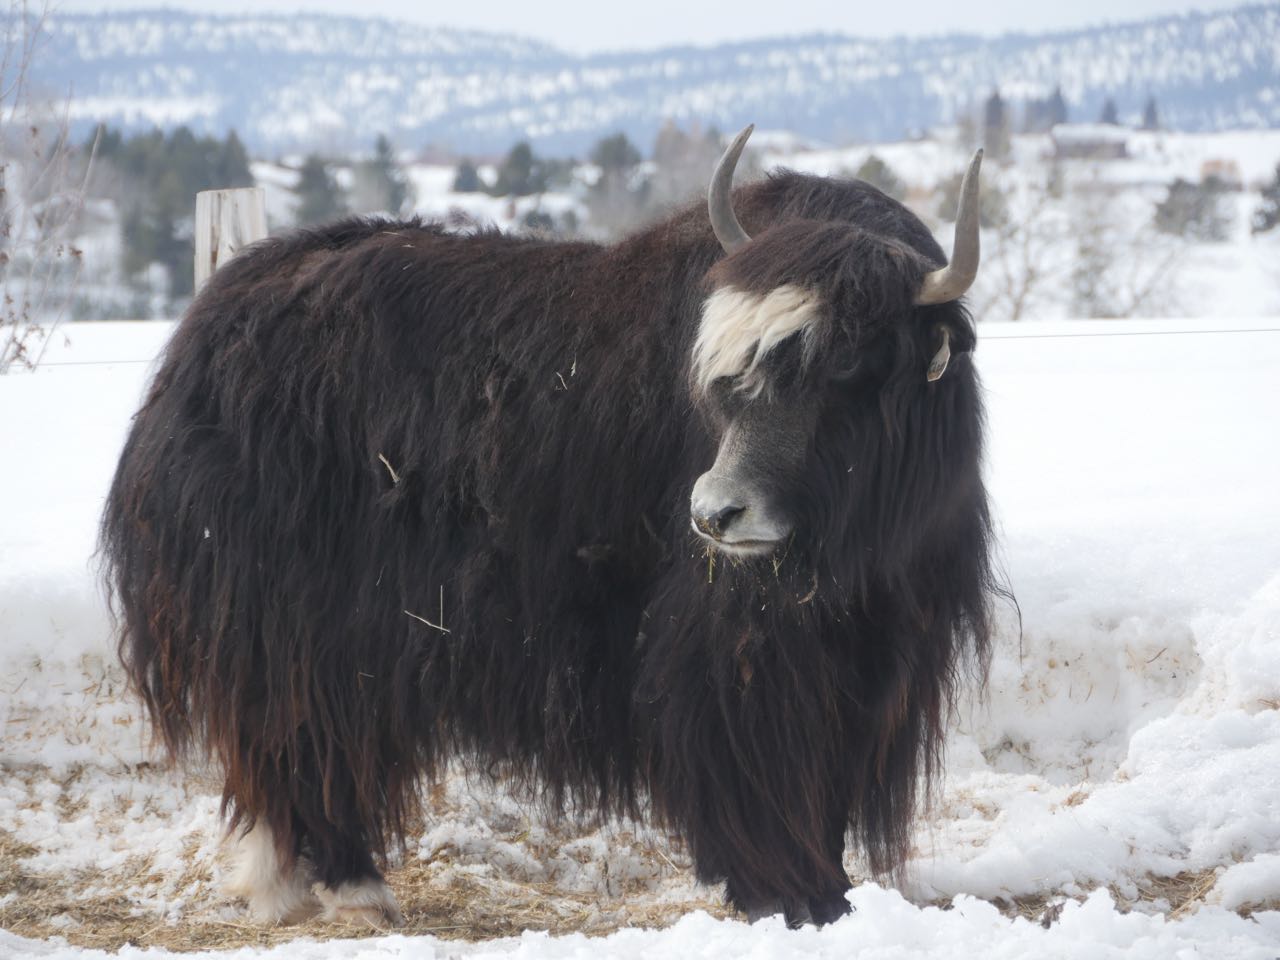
(310, 81)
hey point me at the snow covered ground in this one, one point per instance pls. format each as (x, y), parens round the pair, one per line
(1117, 792)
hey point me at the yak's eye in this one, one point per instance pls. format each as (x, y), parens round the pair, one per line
(844, 374)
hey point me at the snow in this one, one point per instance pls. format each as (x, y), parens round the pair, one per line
(884, 927)
(1127, 749)
(434, 199)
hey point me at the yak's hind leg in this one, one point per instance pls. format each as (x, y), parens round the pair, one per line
(309, 850)
(347, 883)
(335, 878)
(278, 889)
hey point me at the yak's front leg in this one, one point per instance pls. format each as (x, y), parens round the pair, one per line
(830, 904)
(768, 863)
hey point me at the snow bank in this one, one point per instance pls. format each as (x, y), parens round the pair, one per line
(1130, 735)
(883, 927)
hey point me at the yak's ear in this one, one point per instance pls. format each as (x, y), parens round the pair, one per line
(938, 365)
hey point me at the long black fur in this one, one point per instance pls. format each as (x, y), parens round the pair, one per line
(363, 427)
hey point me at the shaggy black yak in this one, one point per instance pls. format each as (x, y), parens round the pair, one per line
(689, 527)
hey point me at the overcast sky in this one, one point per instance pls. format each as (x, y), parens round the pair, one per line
(631, 24)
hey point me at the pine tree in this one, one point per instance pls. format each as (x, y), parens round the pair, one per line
(993, 209)
(1195, 210)
(159, 179)
(466, 179)
(879, 174)
(1043, 115)
(1150, 115)
(1056, 110)
(995, 126)
(380, 183)
(520, 174)
(320, 198)
(1110, 115)
(615, 153)
(233, 164)
(616, 201)
(1267, 216)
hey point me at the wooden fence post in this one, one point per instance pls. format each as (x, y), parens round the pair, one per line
(226, 220)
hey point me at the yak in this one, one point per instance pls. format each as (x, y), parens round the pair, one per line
(689, 527)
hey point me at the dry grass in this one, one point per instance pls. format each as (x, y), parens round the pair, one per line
(447, 903)
(458, 909)
(441, 891)
(1174, 896)
(461, 908)
(443, 896)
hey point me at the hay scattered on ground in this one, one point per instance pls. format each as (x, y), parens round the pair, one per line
(442, 891)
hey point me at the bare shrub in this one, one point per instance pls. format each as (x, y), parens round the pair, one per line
(1122, 265)
(42, 188)
(1074, 242)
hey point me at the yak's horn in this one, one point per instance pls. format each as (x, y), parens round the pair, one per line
(942, 286)
(720, 200)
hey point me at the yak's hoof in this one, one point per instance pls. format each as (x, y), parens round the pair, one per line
(759, 911)
(830, 908)
(796, 914)
(275, 893)
(368, 902)
(816, 910)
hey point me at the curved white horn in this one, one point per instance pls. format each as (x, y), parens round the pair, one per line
(942, 286)
(719, 200)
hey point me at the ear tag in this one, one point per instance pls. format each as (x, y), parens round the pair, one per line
(938, 365)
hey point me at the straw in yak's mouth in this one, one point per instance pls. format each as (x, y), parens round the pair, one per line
(736, 548)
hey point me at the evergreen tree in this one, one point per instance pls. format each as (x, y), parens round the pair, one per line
(1267, 216)
(878, 173)
(615, 153)
(1150, 115)
(520, 173)
(380, 184)
(1056, 108)
(616, 200)
(538, 222)
(556, 172)
(466, 179)
(1110, 115)
(158, 179)
(1195, 210)
(320, 198)
(233, 163)
(995, 126)
(110, 142)
(993, 209)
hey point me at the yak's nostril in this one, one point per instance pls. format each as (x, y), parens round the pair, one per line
(715, 524)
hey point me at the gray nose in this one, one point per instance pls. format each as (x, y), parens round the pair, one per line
(716, 520)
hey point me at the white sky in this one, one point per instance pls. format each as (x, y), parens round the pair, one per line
(632, 24)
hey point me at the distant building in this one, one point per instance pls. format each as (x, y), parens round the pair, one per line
(1225, 171)
(1090, 141)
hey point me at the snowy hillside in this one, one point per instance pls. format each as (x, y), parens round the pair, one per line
(333, 83)
(1117, 793)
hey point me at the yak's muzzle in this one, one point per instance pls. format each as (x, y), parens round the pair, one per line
(734, 517)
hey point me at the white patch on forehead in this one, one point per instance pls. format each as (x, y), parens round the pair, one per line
(738, 329)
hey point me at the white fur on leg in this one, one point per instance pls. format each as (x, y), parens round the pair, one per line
(368, 901)
(275, 895)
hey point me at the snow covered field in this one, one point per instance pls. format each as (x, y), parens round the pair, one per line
(1116, 793)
